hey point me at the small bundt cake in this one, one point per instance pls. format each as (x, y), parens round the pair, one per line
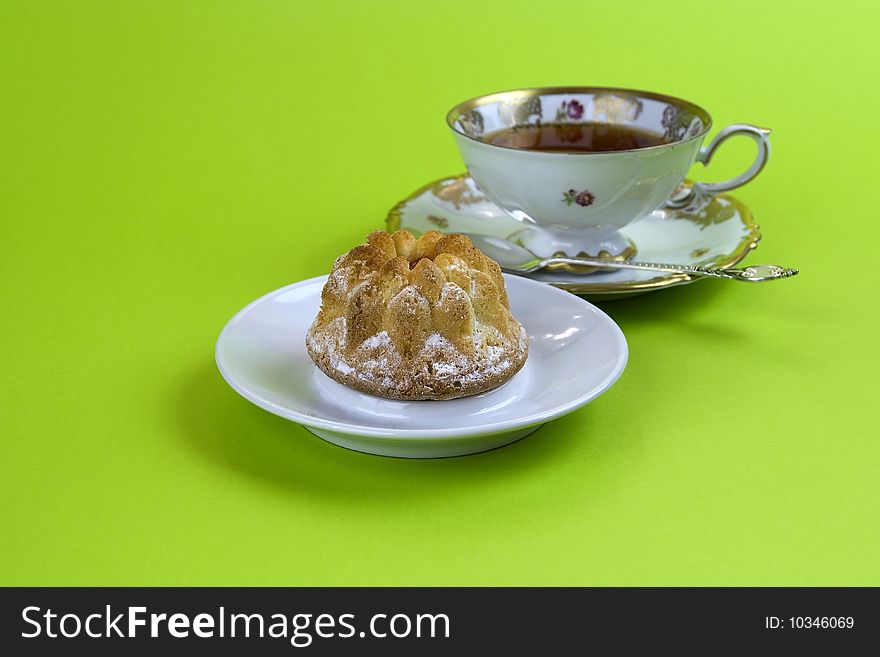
(424, 318)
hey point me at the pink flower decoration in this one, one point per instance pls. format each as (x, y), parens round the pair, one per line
(573, 109)
(583, 198)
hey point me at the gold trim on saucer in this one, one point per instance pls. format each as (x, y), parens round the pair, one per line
(392, 219)
(749, 242)
(623, 256)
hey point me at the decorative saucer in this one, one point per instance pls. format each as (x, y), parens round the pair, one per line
(576, 352)
(719, 233)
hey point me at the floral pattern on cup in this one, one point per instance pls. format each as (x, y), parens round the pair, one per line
(472, 123)
(676, 121)
(520, 111)
(583, 198)
(570, 110)
(616, 108)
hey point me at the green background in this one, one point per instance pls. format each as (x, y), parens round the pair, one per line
(164, 163)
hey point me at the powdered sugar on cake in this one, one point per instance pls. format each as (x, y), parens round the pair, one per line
(377, 361)
(423, 318)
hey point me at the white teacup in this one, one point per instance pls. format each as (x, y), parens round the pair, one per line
(576, 202)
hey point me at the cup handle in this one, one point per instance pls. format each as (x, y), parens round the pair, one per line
(699, 190)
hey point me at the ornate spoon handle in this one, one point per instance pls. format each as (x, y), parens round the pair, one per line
(753, 273)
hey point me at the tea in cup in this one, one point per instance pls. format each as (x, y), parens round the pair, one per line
(577, 164)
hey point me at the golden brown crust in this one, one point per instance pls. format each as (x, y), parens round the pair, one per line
(424, 318)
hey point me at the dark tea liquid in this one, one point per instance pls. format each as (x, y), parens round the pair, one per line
(575, 137)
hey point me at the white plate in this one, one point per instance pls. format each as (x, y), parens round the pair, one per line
(576, 352)
(719, 233)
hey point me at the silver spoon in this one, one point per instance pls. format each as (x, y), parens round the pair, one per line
(518, 260)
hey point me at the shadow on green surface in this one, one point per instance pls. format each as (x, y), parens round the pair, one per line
(680, 307)
(665, 303)
(257, 445)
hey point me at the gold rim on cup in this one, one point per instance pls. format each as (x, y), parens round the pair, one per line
(524, 94)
